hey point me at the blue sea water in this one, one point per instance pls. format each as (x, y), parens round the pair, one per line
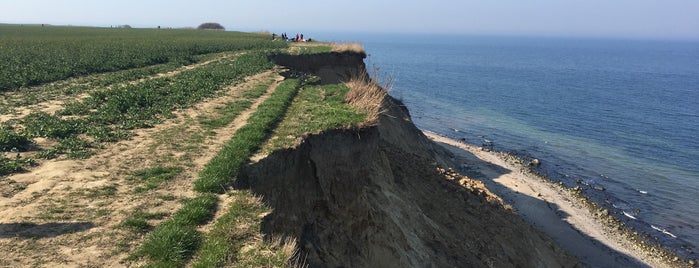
(617, 114)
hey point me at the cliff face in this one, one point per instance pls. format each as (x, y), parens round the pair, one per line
(334, 67)
(376, 197)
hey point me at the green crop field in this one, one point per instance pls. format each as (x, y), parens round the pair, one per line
(31, 55)
(110, 81)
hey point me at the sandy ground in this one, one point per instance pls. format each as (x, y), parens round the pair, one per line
(549, 208)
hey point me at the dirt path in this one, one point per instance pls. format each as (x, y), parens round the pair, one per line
(550, 209)
(67, 212)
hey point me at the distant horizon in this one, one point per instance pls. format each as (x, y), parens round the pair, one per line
(620, 19)
(310, 33)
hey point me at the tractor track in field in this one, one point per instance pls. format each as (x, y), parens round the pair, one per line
(56, 102)
(67, 212)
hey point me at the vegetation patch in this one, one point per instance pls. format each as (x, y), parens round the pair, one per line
(174, 241)
(238, 228)
(10, 140)
(33, 55)
(137, 222)
(223, 168)
(316, 108)
(154, 176)
(9, 165)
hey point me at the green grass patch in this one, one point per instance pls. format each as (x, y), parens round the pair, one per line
(174, 241)
(231, 231)
(154, 176)
(315, 49)
(316, 108)
(218, 173)
(137, 222)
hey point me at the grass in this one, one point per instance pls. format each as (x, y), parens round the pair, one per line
(367, 96)
(222, 169)
(240, 225)
(137, 222)
(172, 243)
(154, 176)
(316, 108)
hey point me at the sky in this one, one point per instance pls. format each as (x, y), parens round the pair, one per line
(654, 19)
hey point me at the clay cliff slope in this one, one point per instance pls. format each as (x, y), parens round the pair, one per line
(382, 195)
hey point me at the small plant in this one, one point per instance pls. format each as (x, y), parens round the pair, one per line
(10, 139)
(9, 165)
(138, 221)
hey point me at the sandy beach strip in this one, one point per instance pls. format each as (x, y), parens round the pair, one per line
(549, 208)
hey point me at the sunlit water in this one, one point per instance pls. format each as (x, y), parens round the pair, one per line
(612, 114)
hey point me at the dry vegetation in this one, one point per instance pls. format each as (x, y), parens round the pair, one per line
(366, 95)
(348, 47)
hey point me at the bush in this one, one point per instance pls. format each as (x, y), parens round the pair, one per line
(211, 26)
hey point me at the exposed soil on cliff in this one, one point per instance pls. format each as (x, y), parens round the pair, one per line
(377, 197)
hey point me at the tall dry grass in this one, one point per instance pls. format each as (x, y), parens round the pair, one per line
(348, 47)
(368, 96)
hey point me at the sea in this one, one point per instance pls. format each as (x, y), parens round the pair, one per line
(619, 118)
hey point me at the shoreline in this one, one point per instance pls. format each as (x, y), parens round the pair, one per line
(596, 238)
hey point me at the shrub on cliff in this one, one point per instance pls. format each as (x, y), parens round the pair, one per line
(211, 26)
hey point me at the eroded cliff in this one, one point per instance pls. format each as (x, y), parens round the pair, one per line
(379, 196)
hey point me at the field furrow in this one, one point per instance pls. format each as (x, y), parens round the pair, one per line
(82, 212)
(52, 97)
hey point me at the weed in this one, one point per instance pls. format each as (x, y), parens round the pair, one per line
(10, 140)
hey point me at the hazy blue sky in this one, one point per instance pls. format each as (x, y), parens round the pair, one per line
(615, 18)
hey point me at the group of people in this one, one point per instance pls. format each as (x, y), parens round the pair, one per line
(298, 38)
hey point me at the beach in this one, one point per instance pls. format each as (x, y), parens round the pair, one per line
(552, 209)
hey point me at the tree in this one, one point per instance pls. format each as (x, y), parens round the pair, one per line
(210, 26)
